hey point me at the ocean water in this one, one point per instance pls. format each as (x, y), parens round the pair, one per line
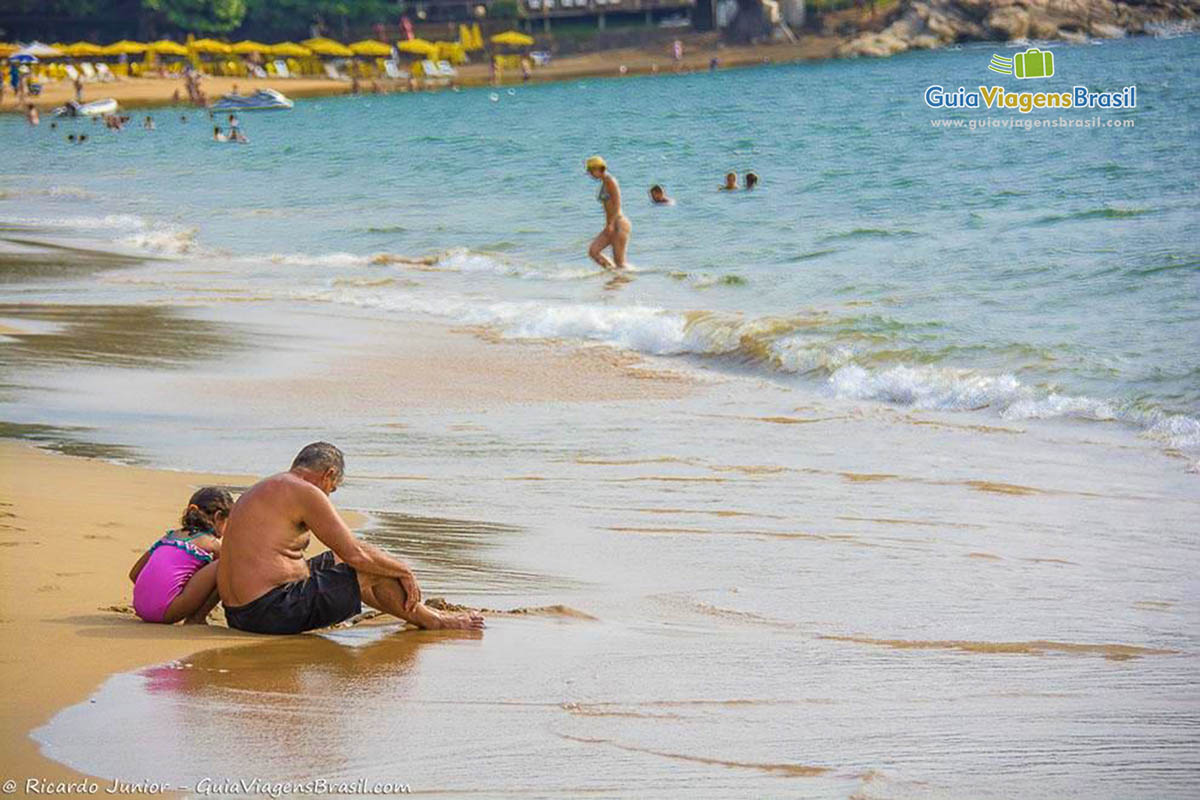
(923, 527)
(1032, 273)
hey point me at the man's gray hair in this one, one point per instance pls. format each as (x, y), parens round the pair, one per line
(320, 456)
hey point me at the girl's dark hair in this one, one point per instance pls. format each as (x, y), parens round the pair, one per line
(203, 508)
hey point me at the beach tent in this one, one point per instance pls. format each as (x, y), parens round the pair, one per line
(209, 46)
(124, 47)
(328, 48)
(418, 47)
(468, 40)
(370, 48)
(248, 46)
(513, 39)
(165, 47)
(289, 50)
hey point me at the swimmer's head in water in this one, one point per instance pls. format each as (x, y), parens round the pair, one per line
(657, 194)
(730, 180)
(751, 180)
(596, 166)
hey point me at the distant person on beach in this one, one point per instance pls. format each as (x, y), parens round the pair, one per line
(730, 182)
(658, 196)
(176, 579)
(268, 586)
(751, 180)
(149, 123)
(31, 114)
(616, 225)
(78, 82)
(233, 125)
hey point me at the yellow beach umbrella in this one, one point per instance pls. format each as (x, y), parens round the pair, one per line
(477, 37)
(418, 47)
(125, 47)
(328, 47)
(371, 48)
(165, 47)
(289, 50)
(7, 49)
(209, 46)
(513, 39)
(83, 50)
(450, 51)
(248, 46)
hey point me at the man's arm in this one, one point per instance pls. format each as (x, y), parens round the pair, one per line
(323, 520)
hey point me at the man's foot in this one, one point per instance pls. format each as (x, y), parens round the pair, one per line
(444, 620)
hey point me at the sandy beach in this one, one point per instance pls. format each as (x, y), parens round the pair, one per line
(62, 576)
(867, 483)
(154, 92)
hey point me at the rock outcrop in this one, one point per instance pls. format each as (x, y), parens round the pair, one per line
(927, 24)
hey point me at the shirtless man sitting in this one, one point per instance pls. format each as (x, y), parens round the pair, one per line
(265, 582)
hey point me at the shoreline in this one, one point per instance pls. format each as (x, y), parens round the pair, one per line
(54, 598)
(894, 31)
(156, 92)
(63, 564)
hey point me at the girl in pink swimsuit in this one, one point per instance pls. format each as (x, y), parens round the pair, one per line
(177, 577)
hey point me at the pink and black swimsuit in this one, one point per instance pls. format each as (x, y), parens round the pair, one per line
(171, 565)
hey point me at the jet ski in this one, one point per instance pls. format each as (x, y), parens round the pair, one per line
(96, 108)
(262, 100)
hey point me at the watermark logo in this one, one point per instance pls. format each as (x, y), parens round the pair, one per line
(1033, 63)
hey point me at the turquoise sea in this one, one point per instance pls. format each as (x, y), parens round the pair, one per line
(925, 529)
(1031, 273)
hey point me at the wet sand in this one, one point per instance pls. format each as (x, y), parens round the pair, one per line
(69, 529)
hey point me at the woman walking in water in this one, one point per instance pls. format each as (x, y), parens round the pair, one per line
(616, 225)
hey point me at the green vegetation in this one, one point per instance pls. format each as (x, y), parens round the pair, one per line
(505, 9)
(260, 19)
(208, 16)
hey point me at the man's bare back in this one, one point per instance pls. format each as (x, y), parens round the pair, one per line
(268, 537)
(266, 584)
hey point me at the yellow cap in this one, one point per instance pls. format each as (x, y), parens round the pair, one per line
(596, 162)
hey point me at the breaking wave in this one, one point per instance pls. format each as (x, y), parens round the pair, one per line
(817, 346)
